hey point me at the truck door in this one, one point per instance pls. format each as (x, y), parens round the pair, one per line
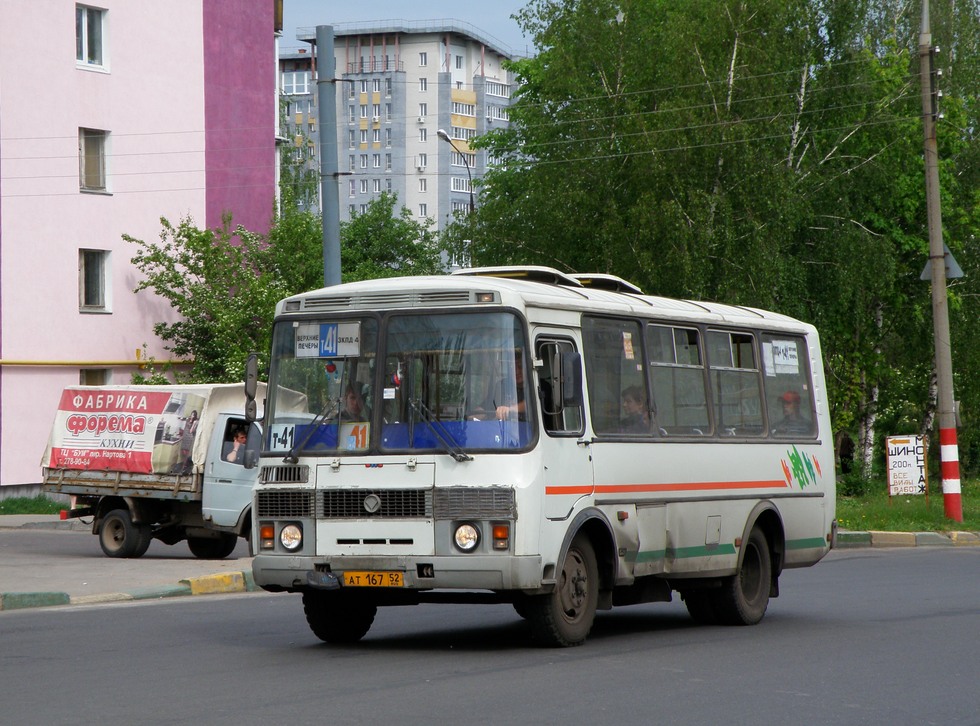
(227, 484)
(566, 457)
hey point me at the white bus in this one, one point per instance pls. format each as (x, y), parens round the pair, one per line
(561, 443)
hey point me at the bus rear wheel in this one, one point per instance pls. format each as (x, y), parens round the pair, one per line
(564, 617)
(744, 597)
(338, 618)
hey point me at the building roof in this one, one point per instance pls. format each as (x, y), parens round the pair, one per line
(413, 27)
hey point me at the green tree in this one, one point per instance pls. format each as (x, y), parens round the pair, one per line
(380, 243)
(225, 284)
(765, 153)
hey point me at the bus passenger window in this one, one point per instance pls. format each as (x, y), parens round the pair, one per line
(614, 362)
(789, 396)
(736, 384)
(677, 375)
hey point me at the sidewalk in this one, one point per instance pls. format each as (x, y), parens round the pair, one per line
(63, 573)
(82, 576)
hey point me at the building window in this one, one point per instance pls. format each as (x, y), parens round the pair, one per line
(364, 85)
(388, 137)
(388, 184)
(93, 292)
(388, 163)
(364, 133)
(350, 139)
(89, 36)
(364, 209)
(295, 83)
(388, 112)
(377, 186)
(423, 185)
(423, 59)
(423, 134)
(387, 86)
(353, 187)
(364, 161)
(376, 110)
(350, 87)
(351, 209)
(376, 161)
(93, 376)
(423, 110)
(376, 85)
(91, 160)
(363, 110)
(423, 210)
(459, 62)
(423, 84)
(377, 136)
(353, 162)
(351, 114)
(422, 161)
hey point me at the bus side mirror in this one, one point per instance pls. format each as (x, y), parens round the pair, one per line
(251, 386)
(570, 378)
(253, 445)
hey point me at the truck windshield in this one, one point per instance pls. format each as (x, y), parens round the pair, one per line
(454, 383)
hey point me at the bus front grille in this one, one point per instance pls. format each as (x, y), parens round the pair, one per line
(381, 503)
(285, 504)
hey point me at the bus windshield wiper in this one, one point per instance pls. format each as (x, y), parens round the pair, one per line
(448, 441)
(293, 456)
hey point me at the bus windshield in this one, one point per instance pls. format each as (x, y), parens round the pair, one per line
(449, 383)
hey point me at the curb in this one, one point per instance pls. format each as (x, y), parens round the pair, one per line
(850, 540)
(218, 584)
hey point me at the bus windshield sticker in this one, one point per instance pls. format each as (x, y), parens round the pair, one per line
(328, 340)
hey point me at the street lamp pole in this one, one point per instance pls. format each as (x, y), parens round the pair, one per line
(441, 133)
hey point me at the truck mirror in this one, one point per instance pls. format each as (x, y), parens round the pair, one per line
(251, 386)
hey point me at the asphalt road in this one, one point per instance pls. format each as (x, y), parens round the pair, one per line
(865, 637)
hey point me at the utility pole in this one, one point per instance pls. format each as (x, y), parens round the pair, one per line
(326, 97)
(948, 447)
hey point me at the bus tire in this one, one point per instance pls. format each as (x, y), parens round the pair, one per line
(118, 536)
(337, 618)
(744, 597)
(701, 606)
(564, 617)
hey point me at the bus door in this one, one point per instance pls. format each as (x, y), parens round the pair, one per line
(566, 456)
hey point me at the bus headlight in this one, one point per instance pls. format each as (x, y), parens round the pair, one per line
(466, 537)
(291, 537)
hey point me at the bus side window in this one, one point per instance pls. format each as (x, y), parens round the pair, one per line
(558, 417)
(678, 377)
(789, 395)
(616, 372)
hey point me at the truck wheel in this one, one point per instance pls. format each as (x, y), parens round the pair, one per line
(744, 597)
(145, 532)
(118, 536)
(212, 548)
(565, 616)
(338, 618)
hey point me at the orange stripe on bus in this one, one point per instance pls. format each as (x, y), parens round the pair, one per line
(668, 487)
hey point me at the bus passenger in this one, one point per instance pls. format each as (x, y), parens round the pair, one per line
(637, 416)
(792, 421)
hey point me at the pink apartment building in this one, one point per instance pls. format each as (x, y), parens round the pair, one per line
(112, 115)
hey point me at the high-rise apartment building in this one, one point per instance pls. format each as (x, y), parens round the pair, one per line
(412, 97)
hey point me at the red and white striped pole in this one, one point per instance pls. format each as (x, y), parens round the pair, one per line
(949, 456)
(949, 451)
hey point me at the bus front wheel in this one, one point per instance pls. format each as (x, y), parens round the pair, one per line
(744, 597)
(564, 617)
(338, 618)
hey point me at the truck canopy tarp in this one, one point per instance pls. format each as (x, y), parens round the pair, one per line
(143, 429)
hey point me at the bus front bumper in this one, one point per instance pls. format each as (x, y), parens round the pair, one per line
(480, 572)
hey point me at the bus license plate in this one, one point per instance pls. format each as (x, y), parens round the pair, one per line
(362, 578)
